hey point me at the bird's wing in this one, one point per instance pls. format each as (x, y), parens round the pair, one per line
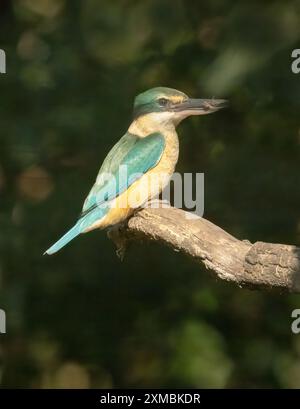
(128, 160)
(110, 166)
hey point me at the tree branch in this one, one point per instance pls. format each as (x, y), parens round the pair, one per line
(258, 265)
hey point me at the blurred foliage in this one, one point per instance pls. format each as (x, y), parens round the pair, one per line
(81, 318)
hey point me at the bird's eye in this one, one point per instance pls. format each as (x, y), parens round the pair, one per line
(163, 102)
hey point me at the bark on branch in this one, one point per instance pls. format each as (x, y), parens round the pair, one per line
(258, 265)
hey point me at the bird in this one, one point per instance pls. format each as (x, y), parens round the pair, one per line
(141, 163)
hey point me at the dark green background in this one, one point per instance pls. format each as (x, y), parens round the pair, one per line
(81, 317)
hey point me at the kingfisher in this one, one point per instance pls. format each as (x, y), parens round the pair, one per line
(140, 165)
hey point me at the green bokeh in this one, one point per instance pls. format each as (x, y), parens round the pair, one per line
(83, 318)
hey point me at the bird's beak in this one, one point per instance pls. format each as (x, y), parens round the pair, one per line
(201, 106)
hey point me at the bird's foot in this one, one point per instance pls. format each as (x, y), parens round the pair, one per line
(115, 234)
(120, 252)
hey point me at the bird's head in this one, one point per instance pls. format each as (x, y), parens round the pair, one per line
(167, 105)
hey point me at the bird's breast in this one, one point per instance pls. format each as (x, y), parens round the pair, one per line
(169, 157)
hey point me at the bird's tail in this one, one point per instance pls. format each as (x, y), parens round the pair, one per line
(83, 223)
(65, 239)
